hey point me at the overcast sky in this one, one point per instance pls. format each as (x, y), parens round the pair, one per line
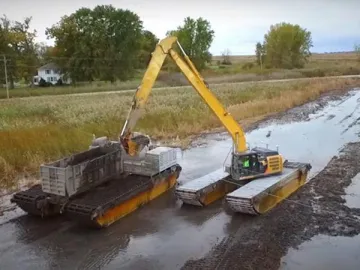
(238, 24)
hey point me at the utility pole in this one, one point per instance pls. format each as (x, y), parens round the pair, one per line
(6, 81)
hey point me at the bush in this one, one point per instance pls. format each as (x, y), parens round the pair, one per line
(352, 71)
(313, 73)
(43, 83)
(59, 82)
(248, 66)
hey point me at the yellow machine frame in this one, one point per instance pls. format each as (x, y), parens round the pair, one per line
(162, 50)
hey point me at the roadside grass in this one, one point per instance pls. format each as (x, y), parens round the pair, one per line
(82, 88)
(243, 69)
(37, 130)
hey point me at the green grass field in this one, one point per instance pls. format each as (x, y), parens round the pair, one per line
(40, 129)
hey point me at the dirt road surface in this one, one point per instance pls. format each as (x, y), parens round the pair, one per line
(166, 235)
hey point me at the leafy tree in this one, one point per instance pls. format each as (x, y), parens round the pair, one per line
(287, 46)
(226, 57)
(195, 36)
(46, 53)
(25, 49)
(357, 50)
(260, 54)
(17, 43)
(100, 43)
(148, 43)
(5, 47)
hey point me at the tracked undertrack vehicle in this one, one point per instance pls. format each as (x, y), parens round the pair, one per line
(101, 185)
(256, 180)
(252, 197)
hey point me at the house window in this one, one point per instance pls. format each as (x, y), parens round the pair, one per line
(47, 71)
(35, 80)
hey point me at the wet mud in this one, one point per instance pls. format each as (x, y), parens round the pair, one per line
(319, 208)
(167, 235)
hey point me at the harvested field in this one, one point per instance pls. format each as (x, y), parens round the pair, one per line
(344, 56)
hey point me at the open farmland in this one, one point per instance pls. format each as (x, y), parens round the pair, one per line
(243, 69)
(39, 129)
(314, 58)
(319, 65)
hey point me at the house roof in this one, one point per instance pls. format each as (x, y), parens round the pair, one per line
(49, 66)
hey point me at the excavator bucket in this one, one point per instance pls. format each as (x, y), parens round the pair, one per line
(254, 197)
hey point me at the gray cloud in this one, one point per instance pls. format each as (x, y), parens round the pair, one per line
(237, 24)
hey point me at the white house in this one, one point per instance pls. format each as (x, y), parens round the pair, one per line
(50, 73)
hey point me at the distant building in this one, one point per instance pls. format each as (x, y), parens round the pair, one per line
(50, 73)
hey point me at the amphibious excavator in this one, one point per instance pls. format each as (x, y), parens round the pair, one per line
(100, 185)
(115, 177)
(257, 179)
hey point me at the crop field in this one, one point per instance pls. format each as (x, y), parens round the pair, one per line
(319, 65)
(39, 129)
(315, 57)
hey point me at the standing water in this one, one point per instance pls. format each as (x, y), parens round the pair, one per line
(315, 141)
(324, 253)
(164, 235)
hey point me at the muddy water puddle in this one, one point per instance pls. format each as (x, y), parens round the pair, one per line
(315, 141)
(352, 196)
(324, 252)
(163, 234)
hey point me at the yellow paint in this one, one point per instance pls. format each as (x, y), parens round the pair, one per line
(132, 204)
(142, 94)
(227, 120)
(278, 195)
(162, 50)
(275, 164)
(219, 191)
(133, 147)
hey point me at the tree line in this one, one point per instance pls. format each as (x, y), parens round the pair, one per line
(106, 43)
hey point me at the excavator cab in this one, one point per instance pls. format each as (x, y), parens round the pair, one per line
(255, 163)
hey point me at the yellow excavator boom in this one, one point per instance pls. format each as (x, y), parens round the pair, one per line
(260, 170)
(163, 49)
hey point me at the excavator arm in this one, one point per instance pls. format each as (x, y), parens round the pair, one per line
(162, 50)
